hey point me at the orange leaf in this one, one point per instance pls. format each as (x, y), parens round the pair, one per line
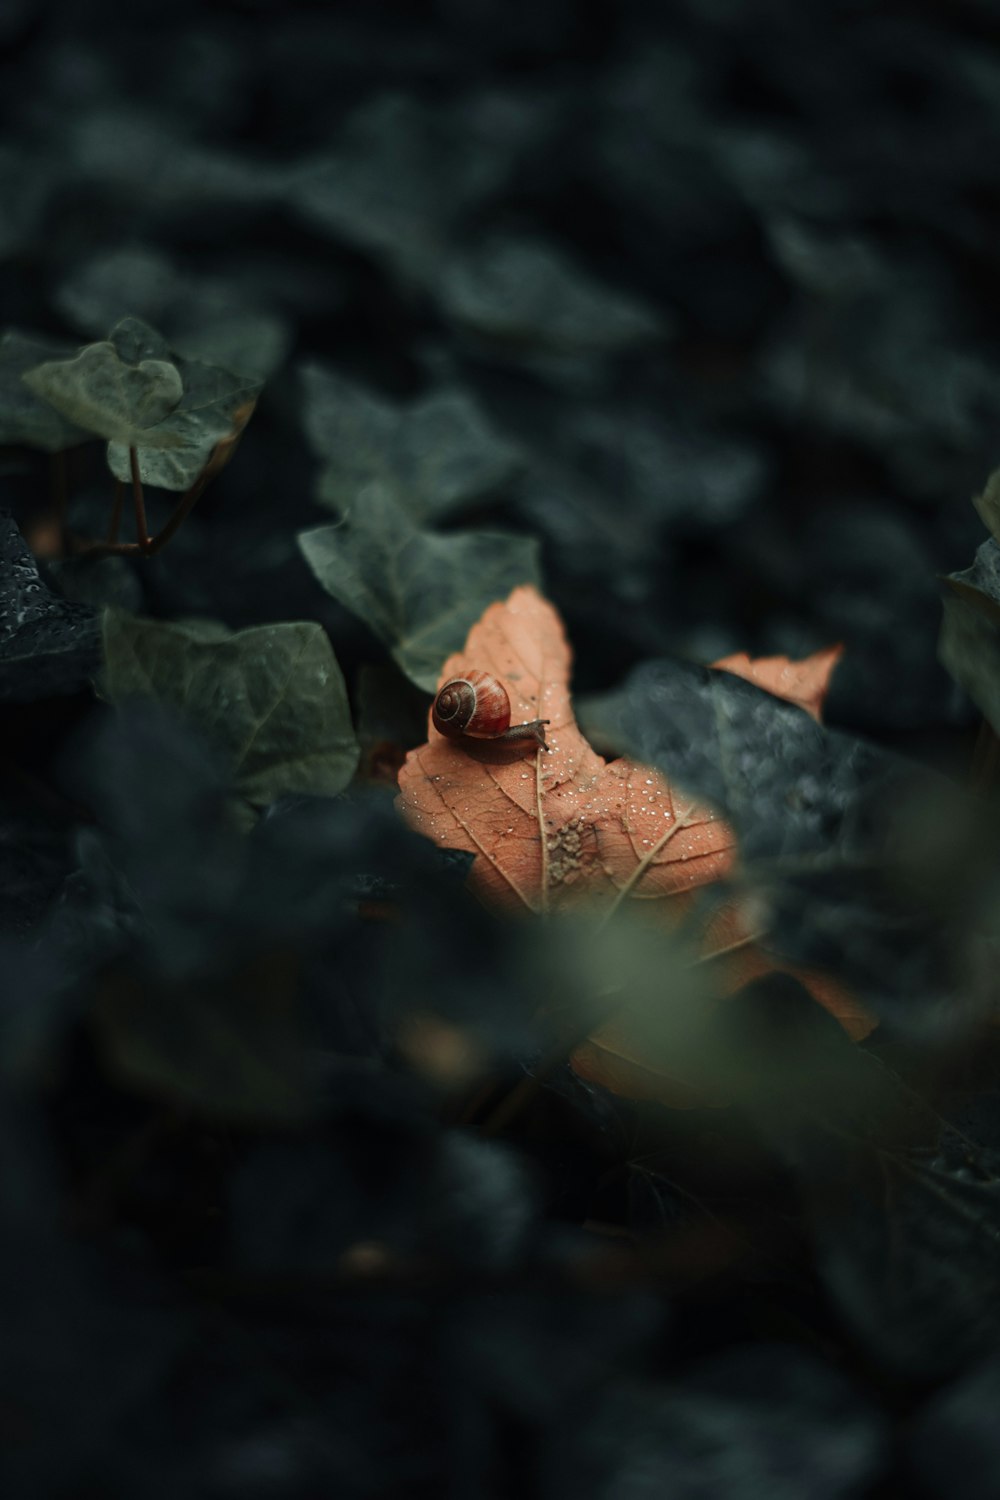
(551, 830)
(805, 682)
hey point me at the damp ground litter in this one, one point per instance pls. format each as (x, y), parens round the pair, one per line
(393, 1103)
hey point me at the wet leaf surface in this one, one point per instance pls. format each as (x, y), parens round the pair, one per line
(47, 644)
(553, 829)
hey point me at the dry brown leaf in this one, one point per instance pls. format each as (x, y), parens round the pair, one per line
(551, 830)
(805, 683)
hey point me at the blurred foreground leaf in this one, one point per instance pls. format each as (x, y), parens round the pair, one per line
(526, 294)
(232, 1046)
(904, 1212)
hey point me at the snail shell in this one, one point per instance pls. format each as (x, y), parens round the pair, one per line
(477, 707)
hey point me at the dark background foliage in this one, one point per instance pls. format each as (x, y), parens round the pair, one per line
(702, 297)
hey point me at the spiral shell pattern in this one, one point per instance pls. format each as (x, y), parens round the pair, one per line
(475, 705)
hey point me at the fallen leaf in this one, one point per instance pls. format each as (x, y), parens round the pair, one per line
(804, 683)
(550, 830)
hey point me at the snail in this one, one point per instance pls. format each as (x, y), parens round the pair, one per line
(476, 707)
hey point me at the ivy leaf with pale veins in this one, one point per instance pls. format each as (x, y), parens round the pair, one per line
(134, 390)
(814, 810)
(419, 592)
(109, 396)
(272, 699)
(215, 404)
(24, 416)
(435, 454)
(970, 631)
(48, 646)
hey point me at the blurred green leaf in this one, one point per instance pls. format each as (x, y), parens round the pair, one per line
(434, 455)
(231, 1047)
(524, 292)
(216, 318)
(903, 1211)
(988, 504)
(24, 416)
(271, 699)
(970, 630)
(420, 593)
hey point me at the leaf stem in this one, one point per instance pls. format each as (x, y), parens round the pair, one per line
(112, 547)
(116, 512)
(543, 839)
(141, 530)
(183, 508)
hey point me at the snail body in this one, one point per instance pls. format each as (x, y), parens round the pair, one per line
(476, 707)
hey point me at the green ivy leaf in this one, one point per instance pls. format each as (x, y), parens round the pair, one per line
(213, 405)
(988, 504)
(969, 646)
(24, 416)
(435, 455)
(133, 389)
(419, 592)
(106, 395)
(271, 699)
